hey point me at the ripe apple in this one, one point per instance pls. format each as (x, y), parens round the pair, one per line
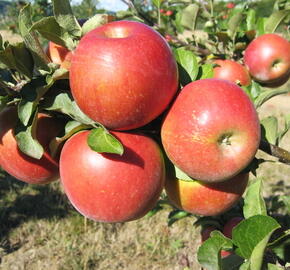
(169, 13)
(199, 198)
(123, 75)
(59, 55)
(267, 58)
(212, 130)
(230, 5)
(230, 225)
(18, 164)
(109, 187)
(231, 71)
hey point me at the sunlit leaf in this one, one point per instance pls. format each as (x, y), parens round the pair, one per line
(254, 203)
(208, 254)
(275, 19)
(101, 141)
(251, 237)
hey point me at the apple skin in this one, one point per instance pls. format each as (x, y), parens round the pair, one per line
(267, 58)
(123, 75)
(18, 164)
(212, 130)
(109, 187)
(199, 198)
(232, 71)
(59, 55)
(230, 225)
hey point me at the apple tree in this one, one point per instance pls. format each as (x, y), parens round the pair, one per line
(136, 122)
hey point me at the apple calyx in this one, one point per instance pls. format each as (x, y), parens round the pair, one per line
(225, 139)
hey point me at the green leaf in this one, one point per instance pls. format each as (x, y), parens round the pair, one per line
(71, 128)
(159, 206)
(157, 3)
(234, 23)
(281, 247)
(101, 141)
(271, 266)
(176, 215)
(270, 129)
(187, 63)
(49, 28)
(252, 235)
(31, 94)
(188, 16)
(177, 22)
(65, 104)
(232, 262)
(254, 203)
(17, 57)
(251, 19)
(205, 71)
(275, 19)
(286, 127)
(31, 40)
(268, 94)
(255, 90)
(65, 18)
(257, 256)
(208, 254)
(182, 175)
(94, 22)
(245, 266)
(261, 26)
(26, 141)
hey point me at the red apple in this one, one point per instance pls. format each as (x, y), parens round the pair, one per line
(230, 5)
(168, 12)
(123, 75)
(109, 187)
(231, 71)
(268, 58)
(59, 55)
(230, 225)
(18, 164)
(199, 198)
(212, 130)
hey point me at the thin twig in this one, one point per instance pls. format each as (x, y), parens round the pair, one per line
(275, 151)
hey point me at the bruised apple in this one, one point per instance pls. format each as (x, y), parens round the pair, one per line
(231, 71)
(204, 199)
(267, 58)
(18, 164)
(212, 130)
(123, 74)
(109, 187)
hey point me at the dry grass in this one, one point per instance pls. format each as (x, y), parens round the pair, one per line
(39, 229)
(9, 35)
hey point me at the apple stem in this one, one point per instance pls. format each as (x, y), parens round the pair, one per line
(275, 151)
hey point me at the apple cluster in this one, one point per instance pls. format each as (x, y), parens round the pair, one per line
(123, 75)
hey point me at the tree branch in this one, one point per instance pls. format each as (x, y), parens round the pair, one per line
(275, 151)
